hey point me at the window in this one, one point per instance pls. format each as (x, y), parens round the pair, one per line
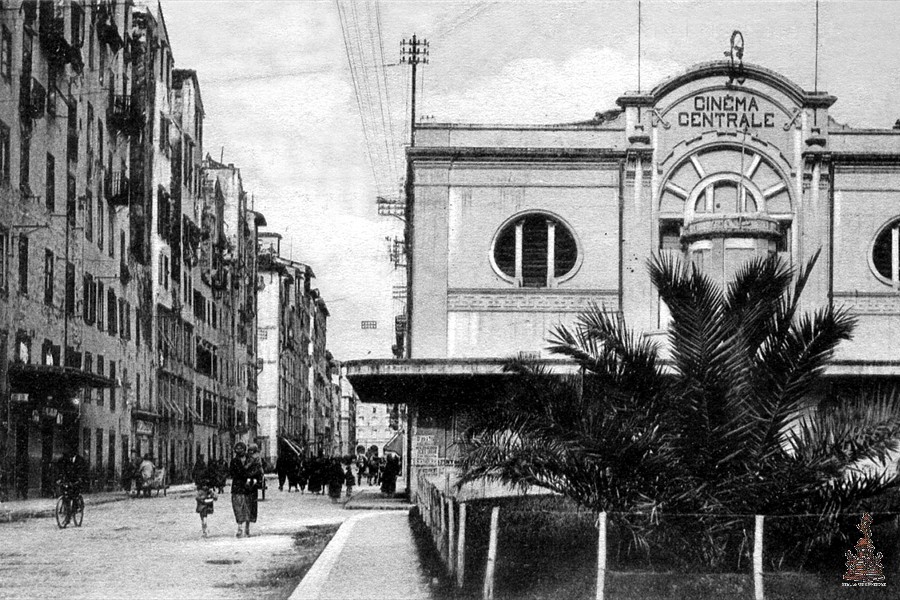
(23, 264)
(71, 201)
(89, 217)
(4, 260)
(50, 183)
(77, 37)
(25, 162)
(112, 390)
(111, 466)
(535, 250)
(48, 277)
(111, 318)
(4, 153)
(100, 204)
(70, 289)
(100, 371)
(88, 299)
(885, 254)
(101, 302)
(6, 54)
(112, 233)
(99, 455)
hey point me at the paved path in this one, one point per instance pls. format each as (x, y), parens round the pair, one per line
(373, 555)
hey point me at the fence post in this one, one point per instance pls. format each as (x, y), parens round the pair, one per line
(451, 549)
(601, 555)
(488, 591)
(461, 547)
(758, 592)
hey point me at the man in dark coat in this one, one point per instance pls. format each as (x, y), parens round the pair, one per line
(283, 466)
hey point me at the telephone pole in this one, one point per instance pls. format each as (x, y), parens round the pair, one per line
(413, 52)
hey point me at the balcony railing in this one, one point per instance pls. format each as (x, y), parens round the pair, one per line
(124, 114)
(116, 188)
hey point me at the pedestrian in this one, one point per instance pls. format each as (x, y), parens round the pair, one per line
(206, 494)
(389, 475)
(335, 477)
(315, 476)
(360, 467)
(129, 471)
(283, 468)
(221, 474)
(147, 471)
(199, 473)
(245, 476)
(349, 480)
(372, 470)
(302, 475)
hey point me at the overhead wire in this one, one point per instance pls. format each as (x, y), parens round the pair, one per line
(390, 112)
(355, 87)
(376, 60)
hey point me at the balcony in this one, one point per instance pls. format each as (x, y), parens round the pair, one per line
(107, 30)
(116, 187)
(32, 98)
(125, 116)
(53, 36)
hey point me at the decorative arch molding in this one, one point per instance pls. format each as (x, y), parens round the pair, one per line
(687, 152)
(722, 68)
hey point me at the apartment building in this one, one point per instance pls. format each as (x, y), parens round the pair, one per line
(127, 264)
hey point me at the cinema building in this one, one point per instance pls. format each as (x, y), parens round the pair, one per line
(513, 229)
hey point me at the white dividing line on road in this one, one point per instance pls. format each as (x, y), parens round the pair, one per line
(310, 588)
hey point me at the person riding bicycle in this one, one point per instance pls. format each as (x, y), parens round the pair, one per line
(72, 469)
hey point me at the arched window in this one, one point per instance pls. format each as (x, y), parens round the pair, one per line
(885, 254)
(535, 250)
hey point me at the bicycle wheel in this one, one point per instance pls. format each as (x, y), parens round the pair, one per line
(62, 512)
(78, 511)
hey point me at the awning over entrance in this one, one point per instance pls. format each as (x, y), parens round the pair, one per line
(395, 444)
(54, 379)
(450, 380)
(292, 445)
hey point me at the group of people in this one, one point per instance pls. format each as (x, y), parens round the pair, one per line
(138, 474)
(247, 478)
(314, 474)
(317, 475)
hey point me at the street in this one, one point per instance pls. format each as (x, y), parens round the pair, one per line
(152, 548)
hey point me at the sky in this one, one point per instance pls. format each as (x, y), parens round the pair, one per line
(281, 103)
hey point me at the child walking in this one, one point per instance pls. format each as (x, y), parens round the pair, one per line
(349, 479)
(206, 497)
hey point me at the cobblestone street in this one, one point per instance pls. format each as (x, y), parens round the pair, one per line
(153, 549)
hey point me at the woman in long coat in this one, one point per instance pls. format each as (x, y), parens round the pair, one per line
(335, 480)
(243, 489)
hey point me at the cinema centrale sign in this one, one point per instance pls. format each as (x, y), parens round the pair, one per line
(725, 110)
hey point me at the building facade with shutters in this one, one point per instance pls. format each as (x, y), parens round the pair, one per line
(110, 223)
(513, 229)
(73, 352)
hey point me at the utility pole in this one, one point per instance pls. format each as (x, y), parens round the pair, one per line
(413, 52)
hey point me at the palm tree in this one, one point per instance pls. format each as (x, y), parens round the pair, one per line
(728, 424)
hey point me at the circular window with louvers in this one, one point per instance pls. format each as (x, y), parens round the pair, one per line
(535, 250)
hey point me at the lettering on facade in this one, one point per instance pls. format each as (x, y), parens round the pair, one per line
(726, 111)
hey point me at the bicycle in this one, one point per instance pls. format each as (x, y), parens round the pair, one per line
(69, 507)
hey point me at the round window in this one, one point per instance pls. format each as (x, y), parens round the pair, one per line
(535, 250)
(886, 253)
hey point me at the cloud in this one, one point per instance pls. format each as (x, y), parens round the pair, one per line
(538, 90)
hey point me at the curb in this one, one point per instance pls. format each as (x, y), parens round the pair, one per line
(315, 579)
(9, 516)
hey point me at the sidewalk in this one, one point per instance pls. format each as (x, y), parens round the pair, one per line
(373, 555)
(371, 498)
(36, 508)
